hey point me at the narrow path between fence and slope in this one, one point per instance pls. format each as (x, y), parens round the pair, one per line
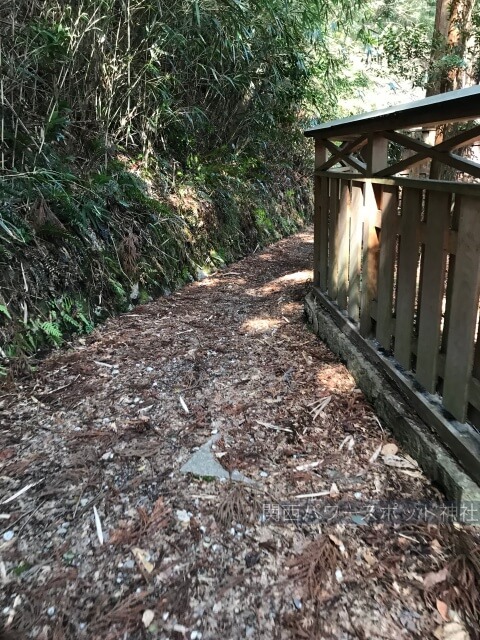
(103, 536)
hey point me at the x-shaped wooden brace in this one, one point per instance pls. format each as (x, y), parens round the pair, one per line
(441, 152)
(342, 154)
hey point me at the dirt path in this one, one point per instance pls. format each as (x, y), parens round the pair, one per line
(97, 438)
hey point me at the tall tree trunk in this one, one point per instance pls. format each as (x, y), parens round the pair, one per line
(453, 22)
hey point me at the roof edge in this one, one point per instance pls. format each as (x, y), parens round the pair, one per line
(463, 104)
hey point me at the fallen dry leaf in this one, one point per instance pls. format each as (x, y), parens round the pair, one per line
(442, 608)
(141, 557)
(339, 543)
(334, 491)
(435, 577)
(436, 546)
(369, 557)
(410, 473)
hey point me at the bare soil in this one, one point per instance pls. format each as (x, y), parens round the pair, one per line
(109, 540)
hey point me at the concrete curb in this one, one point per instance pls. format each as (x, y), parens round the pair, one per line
(416, 438)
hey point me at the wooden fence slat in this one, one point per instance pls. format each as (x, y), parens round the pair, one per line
(407, 274)
(464, 310)
(450, 274)
(333, 240)
(356, 220)
(323, 233)
(343, 233)
(370, 255)
(388, 240)
(474, 382)
(320, 238)
(436, 240)
(316, 231)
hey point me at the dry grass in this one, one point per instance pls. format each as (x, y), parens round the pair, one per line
(240, 505)
(315, 566)
(146, 524)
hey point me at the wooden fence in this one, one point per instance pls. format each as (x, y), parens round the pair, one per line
(400, 256)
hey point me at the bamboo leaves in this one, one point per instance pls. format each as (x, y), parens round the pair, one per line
(138, 73)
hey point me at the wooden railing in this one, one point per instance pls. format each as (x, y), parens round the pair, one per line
(400, 256)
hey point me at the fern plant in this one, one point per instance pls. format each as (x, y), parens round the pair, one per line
(52, 331)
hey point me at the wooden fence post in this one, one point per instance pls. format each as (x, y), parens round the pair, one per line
(320, 247)
(376, 154)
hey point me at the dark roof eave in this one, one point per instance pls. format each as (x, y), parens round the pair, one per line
(463, 104)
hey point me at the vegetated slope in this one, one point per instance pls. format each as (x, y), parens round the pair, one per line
(141, 142)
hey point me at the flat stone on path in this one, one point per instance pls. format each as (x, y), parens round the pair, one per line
(204, 464)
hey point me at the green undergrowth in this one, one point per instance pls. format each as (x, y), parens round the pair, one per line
(78, 246)
(144, 144)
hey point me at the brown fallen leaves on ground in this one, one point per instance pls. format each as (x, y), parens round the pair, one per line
(102, 537)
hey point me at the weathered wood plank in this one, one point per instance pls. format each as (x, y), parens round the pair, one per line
(370, 249)
(333, 240)
(450, 274)
(464, 310)
(343, 158)
(451, 186)
(407, 274)
(436, 241)
(316, 231)
(356, 228)
(474, 393)
(343, 233)
(320, 242)
(323, 233)
(476, 356)
(388, 239)
(451, 240)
